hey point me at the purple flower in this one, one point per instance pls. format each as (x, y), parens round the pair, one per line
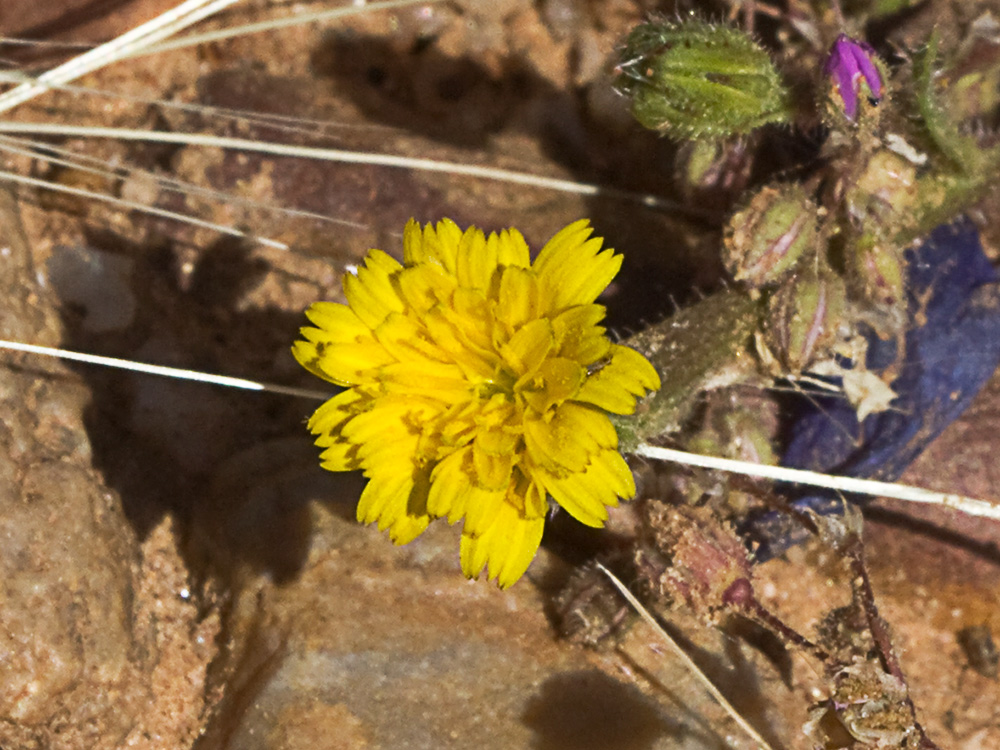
(851, 61)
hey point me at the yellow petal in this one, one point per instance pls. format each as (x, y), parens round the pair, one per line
(413, 519)
(406, 528)
(330, 418)
(551, 446)
(426, 378)
(578, 336)
(476, 260)
(390, 427)
(394, 502)
(469, 314)
(383, 499)
(536, 500)
(512, 250)
(476, 362)
(556, 380)
(456, 425)
(517, 300)
(578, 498)
(527, 349)
(492, 469)
(590, 426)
(635, 370)
(425, 287)
(616, 386)
(383, 456)
(337, 326)
(507, 548)
(370, 293)
(501, 440)
(436, 244)
(610, 474)
(587, 495)
(339, 321)
(340, 456)
(413, 243)
(451, 480)
(481, 509)
(404, 338)
(582, 281)
(348, 364)
(563, 245)
(308, 355)
(571, 268)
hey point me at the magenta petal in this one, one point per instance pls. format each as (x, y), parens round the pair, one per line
(848, 63)
(863, 55)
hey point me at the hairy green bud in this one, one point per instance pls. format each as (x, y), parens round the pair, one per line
(694, 80)
(767, 237)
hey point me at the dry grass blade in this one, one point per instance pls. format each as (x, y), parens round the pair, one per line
(163, 26)
(177, 373)
(969, 505)
(341, 155)
(278, 23)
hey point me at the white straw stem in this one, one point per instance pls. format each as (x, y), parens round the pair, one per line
(687, 660)
(968, 505)
(167, 372)
(136, 206)
(92, 165)
(156, 30)
(299, 19)
(337, 155)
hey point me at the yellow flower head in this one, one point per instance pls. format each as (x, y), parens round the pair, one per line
(477, 386)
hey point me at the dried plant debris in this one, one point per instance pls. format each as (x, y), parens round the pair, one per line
(954, 313)
(979, 648)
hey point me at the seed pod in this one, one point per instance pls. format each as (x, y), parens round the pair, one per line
(803, 318)
(887, 185)
(713, 173)
(879, 270)
(693, 80)
(737, 424)
(767, 238)
(704, 556)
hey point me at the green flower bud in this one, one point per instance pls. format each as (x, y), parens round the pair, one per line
(766, 238)
(693, 80)
(803, 316)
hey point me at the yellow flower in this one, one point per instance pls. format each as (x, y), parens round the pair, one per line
(477, 386)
